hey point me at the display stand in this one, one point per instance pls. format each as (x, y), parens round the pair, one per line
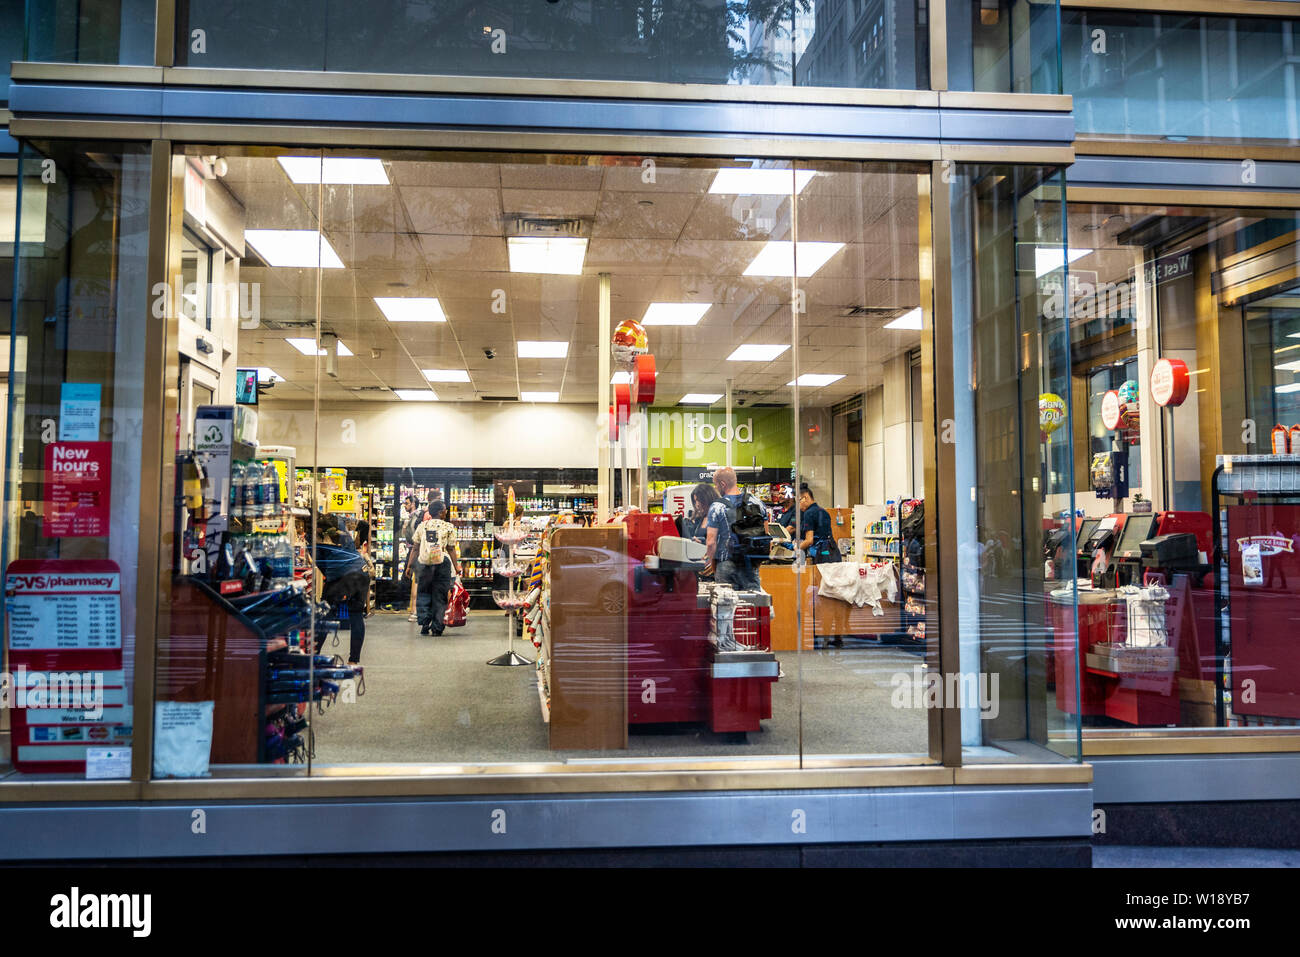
(510, 536)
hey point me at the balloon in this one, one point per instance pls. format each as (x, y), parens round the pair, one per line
(630, 341)
(1128, 405)
(1051, 412)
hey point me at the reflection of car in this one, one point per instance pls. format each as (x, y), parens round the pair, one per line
(598, 578)
(593, 577)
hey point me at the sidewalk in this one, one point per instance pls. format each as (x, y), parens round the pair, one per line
(1138, 856)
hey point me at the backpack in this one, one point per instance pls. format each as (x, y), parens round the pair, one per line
(431, 551)
(748, 521)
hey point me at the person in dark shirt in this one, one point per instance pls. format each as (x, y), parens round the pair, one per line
(818, 542)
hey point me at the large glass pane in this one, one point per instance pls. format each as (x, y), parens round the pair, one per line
(1013, 483)
(469, 343)
(11, 43)
(867, 606)
(1180, 75)
(1004, 46)
(243, 674)
(90, 31)
(74, 361)
(854, 43)
(1182, 329)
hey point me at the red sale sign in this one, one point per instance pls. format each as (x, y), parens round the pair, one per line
(78, 479)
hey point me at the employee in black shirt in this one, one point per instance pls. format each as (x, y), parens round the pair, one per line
(818, 541)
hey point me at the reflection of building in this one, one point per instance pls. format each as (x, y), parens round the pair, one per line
(863, 43)
(779, 46)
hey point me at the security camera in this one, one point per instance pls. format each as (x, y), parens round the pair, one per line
(490, 353)
(740, 402)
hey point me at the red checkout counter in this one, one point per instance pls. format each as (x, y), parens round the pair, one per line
(676, 672)
(1139, 686)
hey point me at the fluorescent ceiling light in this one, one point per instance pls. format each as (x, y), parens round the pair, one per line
(1284, 389)
(542, 350)
(308, 347)
(756, 353)
(1049, 258)
(675, 313)
(446, 375)
(621, 378)
(777, 258)
(416, 395)
(699, 398)
(816, 380)
(1288, 367)
(539, 396)
(908, 320)
(543, 254)
(334, 170)
(303, 248)
(411, 310)
(266, 374)
(760, 182)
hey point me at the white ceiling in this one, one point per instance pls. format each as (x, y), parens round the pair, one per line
(439, 230)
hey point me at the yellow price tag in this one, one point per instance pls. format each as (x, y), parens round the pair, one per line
(342, 501)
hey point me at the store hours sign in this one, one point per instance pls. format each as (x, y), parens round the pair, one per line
(78, 479)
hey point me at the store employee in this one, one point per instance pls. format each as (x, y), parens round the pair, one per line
(817, 541)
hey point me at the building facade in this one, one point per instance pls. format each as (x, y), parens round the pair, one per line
(1010, 285)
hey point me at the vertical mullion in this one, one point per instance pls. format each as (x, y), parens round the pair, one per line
(157, 466)
(164, 36)
(938, 11)
(939, 412)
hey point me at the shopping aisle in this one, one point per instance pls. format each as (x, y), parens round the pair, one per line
(433, 700)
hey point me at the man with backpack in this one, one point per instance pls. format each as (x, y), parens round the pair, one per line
(436, 560)
(732, 521)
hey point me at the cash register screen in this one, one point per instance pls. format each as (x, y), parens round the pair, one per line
(1085, 532)
(1137, 529)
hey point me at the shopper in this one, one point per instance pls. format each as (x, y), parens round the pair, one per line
(725, 559)
(411, 518)
(346, 585)
(702, 498)
(438, 564)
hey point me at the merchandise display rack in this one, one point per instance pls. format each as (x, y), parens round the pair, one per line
(511, 535)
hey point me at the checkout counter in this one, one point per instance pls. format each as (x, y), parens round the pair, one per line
(678, 652)
(1145, 625)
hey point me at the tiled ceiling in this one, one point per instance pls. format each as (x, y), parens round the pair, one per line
(439, 230)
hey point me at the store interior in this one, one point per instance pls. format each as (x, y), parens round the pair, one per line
(449, 346)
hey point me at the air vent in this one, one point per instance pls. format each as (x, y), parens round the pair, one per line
(499, 398)
(522, 224)
(869, 312)
(370, 388)
(288, 323)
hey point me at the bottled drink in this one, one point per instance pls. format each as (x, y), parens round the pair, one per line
(252, 490)
(236, 509)
(270, 496)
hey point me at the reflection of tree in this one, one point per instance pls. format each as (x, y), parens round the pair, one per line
(681, 40)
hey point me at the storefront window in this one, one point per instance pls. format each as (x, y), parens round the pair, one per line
(1181, 321)
(1181, 75)
(846, 43)
(72, 31)
(1013, 485)
(74, 356)
(1004, 46)
(608, 377)
(11, 43)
